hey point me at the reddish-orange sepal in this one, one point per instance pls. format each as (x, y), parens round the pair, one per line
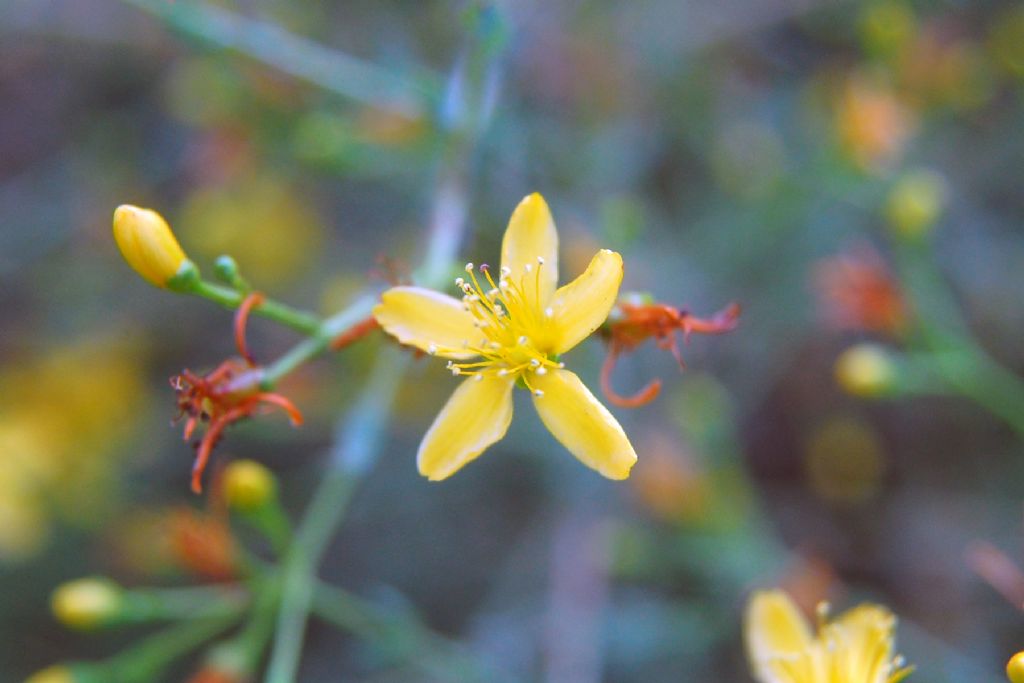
(633, 323)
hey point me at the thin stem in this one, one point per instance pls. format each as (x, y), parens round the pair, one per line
(401, 636)
(317, 342)
(266, 42)
(145, 661)
(361, 435)
(298, 320)
(472, 89)
(194, 602)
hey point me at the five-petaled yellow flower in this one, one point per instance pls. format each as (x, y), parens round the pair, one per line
(510, 328)
(856, 647)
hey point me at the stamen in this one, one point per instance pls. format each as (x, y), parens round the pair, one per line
(528, 267)
(549, 312)
(478, 377)
(538, 392)
(469, 267)
(432, 349)
(522, 341)
(456, 370)
(541, 370)
(534, 362)
(540, 260)
(505, 271)
(460, 282)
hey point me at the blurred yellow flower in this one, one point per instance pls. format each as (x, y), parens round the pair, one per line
(856, 647)
(63, 415)
(1015, 668)
(52, 674)
(261, 220)
(508, 332)
(147, 244)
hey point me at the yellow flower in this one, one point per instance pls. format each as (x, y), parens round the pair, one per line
(147, 244)
(1015, 668)
(857, 647)
(52, 674)
(509, 330)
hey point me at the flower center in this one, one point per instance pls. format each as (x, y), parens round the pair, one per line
(515, 328)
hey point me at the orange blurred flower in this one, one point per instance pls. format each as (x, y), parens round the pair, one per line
(858, 291)
(871, 123)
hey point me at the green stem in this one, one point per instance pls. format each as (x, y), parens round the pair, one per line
(298, 320)
(199, 602)
(145, 661)
(318, 341)
(952, 352)
(361, 434)
(400, 636)
(362, 429)
(288, 53)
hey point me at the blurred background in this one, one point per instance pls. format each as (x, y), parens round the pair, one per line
(844, 170)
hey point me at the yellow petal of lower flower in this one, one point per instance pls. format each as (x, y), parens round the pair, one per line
(430, 321)
(582, 423)
(773, 627)
(531, 233)
(476, 415)
(581, 306)
(867, 634)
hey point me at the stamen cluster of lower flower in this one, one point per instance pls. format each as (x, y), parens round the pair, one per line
(512, 325)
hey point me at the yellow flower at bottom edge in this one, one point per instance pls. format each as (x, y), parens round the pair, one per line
(510, 328)
(856, 647)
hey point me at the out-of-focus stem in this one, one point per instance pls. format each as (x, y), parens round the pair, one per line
(145, 661)
(399, 636)
(360, 439)
(471, 88)
(288, 53)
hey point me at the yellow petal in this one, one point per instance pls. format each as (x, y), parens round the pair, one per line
(531, 233)
(147, 244)
(581, 306)
(583, 424)
(430, 321)
(476, 415)
(773, 628)
(867, 636)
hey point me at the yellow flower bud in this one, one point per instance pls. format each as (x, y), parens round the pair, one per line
(248, 485)
(1015, 668)
(147, 244)
(86, 603)
(865, 370)
(915, 203)
(52, 674)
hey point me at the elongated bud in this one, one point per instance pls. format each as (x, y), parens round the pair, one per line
(87, 603)
(52, 674)
(248, 485)
(147, 244)
(1015, 668)
(865, 370)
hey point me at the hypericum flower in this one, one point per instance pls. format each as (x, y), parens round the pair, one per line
(510, 328)
(147, 244)
(856, 647)
(631, 323)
